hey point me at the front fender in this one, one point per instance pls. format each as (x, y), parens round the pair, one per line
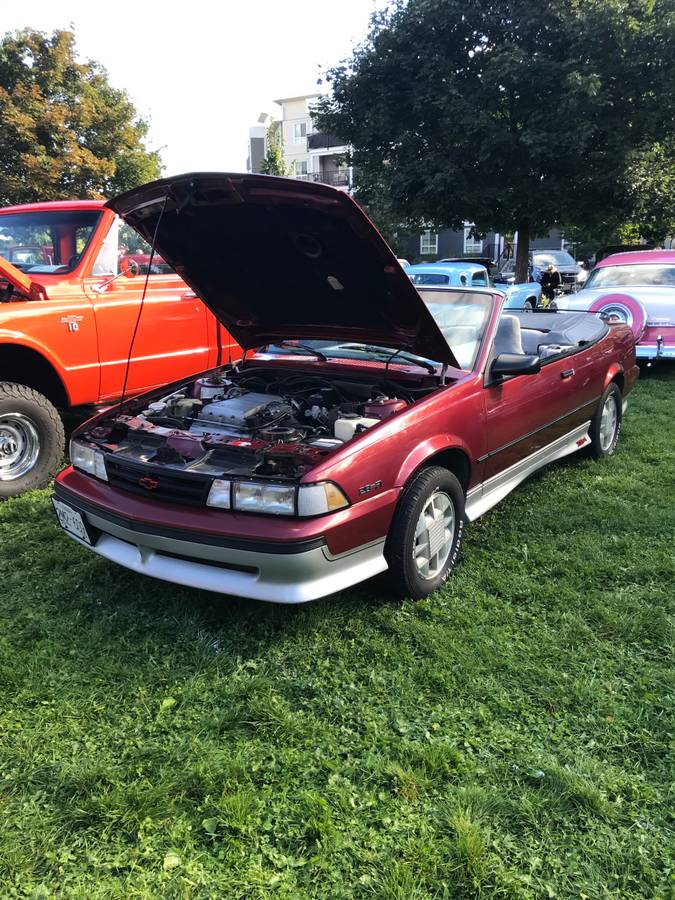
(426, 450)
(517, 294)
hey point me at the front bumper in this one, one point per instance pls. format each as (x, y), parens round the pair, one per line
(286, 573)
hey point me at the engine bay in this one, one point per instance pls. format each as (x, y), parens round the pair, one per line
(254, 422)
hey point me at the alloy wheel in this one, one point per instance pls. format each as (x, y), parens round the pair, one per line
(609, 420)
(434, 534)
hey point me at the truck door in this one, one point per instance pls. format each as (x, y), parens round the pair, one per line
(173, 337)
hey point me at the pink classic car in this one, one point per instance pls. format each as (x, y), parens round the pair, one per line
(637, 289)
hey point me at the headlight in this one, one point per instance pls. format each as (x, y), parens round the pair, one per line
(254, 496)
(88, 460)
(276, 499)
(582, 276)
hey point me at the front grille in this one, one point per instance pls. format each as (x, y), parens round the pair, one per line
(187, 488)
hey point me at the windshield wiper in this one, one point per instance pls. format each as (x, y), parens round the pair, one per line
(384, 352)
(416, 360)
(292, 345)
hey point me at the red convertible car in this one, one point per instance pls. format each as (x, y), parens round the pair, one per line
(371, 422)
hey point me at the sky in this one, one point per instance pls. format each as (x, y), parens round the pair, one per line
(202, 72)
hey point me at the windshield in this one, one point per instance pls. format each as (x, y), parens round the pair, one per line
(429, 278)
(553, 258)
(630, 276)
(461, 316)
(46, 242)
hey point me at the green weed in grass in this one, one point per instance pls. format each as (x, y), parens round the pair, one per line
(510, 736)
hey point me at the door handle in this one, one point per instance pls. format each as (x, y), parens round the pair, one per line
(188, 295)
(567, 373)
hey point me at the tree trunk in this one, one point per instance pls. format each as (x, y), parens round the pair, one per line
(522, 252)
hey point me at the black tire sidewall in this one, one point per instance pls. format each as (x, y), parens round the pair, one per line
(596, 445)
(399, 546)
(43, 415)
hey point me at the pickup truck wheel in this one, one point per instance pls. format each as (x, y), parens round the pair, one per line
(530, 304)
(426, 533)
(32, 441)
(605, 427)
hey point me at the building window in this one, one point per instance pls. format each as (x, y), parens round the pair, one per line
(428, 244)
(299, 167)
(299, 132)
(471, 244)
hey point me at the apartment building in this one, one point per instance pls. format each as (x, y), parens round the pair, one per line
(310, 154)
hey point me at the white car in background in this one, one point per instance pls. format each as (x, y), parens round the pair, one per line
(637, 289)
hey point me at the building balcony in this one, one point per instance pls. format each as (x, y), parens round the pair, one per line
(334, 177)
(326, 143)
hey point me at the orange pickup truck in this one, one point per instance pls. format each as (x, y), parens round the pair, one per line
(72, 277)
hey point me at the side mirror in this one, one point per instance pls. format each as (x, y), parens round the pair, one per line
(508, 364)
(129, 267)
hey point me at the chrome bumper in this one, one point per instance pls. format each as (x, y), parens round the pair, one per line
(275, 577)
(655, 351)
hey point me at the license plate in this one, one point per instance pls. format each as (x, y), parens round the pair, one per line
(71, 521)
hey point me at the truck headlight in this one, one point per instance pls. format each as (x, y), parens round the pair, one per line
(276, 499)
(88, 460)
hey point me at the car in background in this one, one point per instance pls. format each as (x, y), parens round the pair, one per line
(459, 273)
(572, 274)
(637, 289)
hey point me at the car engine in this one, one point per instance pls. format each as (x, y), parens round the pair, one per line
(252, 422)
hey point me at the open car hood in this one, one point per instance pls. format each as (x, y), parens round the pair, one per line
(279, 259)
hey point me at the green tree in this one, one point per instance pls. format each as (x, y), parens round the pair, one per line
(650, 185)
(65, 131)
(273, 162)
(516, 116)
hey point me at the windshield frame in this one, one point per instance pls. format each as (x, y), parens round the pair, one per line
(61, 269)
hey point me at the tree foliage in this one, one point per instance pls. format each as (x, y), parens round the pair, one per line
(650, 185)
(515, 116)
(273, 162)
(66, 132)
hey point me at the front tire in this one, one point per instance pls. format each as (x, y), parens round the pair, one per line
(32, 442)
(426, 533)
(605, 427)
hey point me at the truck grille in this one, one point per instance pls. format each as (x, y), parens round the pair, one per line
(157, 483)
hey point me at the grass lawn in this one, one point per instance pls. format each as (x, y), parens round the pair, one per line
(511, 736)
